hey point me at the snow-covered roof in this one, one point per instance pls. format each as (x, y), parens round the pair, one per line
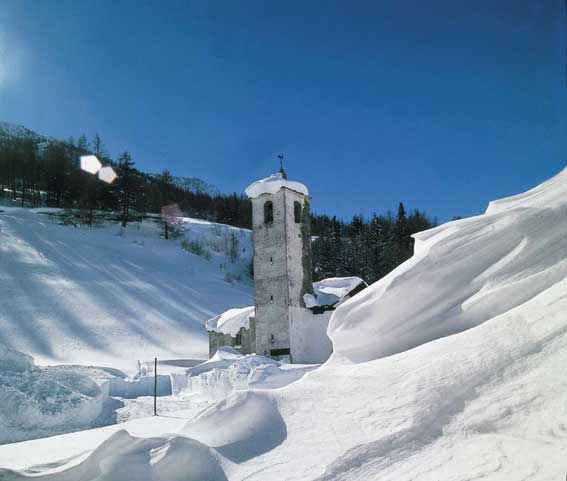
(329, 292)
(231, 321)
(272, 184)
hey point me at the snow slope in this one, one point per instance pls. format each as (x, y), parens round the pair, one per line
(474, 387)
(462, 274)
(91, 296)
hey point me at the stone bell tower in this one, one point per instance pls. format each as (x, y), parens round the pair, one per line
(282, 259)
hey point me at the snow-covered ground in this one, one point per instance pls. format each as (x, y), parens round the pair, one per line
(451, 367)
(93, 296)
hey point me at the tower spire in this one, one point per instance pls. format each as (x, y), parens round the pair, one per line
(282, 171)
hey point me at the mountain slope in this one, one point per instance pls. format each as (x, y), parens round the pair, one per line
(91, 296)
(13, 131)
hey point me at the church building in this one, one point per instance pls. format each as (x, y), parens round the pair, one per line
(290, 315)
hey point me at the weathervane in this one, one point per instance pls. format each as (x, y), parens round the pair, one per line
(282, 171)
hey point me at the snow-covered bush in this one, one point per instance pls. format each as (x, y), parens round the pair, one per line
(195, 247)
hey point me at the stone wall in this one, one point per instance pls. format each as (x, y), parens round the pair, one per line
(248, 341)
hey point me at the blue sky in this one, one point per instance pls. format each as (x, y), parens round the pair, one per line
(443, 104)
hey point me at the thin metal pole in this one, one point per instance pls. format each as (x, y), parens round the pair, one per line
(155, 386)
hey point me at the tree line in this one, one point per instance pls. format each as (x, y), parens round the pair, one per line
(36, 173)
(369, 249)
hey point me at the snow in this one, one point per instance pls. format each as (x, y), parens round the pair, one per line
(123, 456)
(463, 273)
(272, 184)
(331, 291)
(132, 388)
(242, 427)
(231, 321)
(37, 402)
(106, 297)
(8, 130)
(457, 376)
(228, 371)
(549, 194)
(218, 240)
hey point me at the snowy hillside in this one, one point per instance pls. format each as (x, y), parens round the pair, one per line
(8, 130)
(92, 296)
(450, 368)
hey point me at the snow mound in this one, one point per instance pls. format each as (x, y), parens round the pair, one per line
(122, 457)
(36, 402)
(462, 274)
(329, 292)
(241, 427)
(549, 194)
(231, 321)
(272, 184)
(228, 371)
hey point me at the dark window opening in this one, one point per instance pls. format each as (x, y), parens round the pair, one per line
(268, 212)
(297, 212)
(271, 260)
(271, 299)
(238, 340)
(280, 352)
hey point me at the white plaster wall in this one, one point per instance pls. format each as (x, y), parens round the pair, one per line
(308, 335)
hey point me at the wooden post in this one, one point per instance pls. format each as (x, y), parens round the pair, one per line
(155, 386)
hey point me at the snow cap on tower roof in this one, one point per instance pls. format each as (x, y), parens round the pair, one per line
(272, 184)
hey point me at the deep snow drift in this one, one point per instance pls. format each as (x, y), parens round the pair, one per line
(462, 274)
(37, 402)
(92, 296)
(473, 388)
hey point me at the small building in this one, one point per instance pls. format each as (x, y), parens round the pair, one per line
(290, 315)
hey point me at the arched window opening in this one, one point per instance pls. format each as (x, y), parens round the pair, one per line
(268, 212)
(238, 340)
(297, 212)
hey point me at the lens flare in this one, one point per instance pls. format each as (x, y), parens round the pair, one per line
(90, 164)
(107, 174)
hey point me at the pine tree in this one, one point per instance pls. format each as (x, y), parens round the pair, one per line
(128, 188)
(98, 147)
(83, 143)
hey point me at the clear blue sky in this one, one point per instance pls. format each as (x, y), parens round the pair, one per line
(442, 104)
